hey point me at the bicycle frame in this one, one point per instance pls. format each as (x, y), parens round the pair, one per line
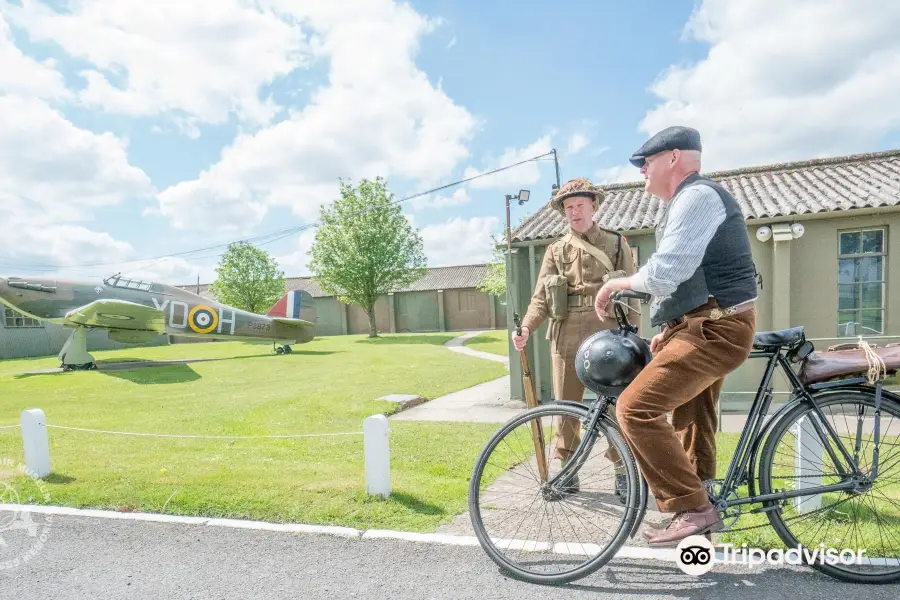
(743, 463)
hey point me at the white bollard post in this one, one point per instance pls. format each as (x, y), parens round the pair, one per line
(36, 443)
(808, 465)
(378, 455)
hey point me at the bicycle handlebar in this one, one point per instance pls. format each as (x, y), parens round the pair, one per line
(631, 294)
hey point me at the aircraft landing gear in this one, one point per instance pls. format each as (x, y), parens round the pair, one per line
(281, 349)
(74, 355)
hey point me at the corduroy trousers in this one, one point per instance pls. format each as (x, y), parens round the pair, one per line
(685, 378)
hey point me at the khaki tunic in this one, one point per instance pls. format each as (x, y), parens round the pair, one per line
(584, 274)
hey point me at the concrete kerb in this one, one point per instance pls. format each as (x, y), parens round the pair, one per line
(667, 555)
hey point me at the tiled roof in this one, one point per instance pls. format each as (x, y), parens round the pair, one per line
(781, 190)
(437, 278)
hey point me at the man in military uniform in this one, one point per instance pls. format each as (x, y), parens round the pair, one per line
(574, 268)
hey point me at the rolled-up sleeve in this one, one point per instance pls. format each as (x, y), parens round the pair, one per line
(693, 220)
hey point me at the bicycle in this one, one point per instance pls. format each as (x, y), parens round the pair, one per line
(871, 487)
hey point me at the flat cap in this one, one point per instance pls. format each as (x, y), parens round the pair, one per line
(671, 138)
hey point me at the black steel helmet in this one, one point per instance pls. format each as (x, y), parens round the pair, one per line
(609, 360)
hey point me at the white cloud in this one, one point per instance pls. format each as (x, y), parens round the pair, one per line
(619, 174)
(577, 142)
(197, 61)
(295, 263)
(172, 270)
(511, 179)
(459, 241)
(34, 241)
(459, 197)
(53, 175)
(60, 168)
(785, 80)
(378, 115)
(24, 76)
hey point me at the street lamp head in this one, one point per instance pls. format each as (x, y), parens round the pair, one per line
(523, 196)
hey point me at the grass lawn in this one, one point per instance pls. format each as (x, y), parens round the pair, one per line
(495, 342)
(328, 385)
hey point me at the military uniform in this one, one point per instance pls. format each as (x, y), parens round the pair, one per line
(584, 275)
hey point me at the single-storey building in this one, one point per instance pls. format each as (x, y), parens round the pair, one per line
(445, 299)
(820, 232)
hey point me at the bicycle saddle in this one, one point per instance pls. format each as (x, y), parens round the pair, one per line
(784, 337)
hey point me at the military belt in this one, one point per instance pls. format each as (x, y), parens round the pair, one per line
(579, 300)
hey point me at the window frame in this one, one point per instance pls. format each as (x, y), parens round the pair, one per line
(883, 254)
(11, 315)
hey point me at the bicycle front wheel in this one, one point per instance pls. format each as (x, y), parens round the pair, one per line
(553, 534)
(796, 457)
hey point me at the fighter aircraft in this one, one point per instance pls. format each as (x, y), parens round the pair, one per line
(135, 312)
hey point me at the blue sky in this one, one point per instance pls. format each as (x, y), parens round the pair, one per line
(137, 130)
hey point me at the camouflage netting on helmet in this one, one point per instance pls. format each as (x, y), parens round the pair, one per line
(576, 187)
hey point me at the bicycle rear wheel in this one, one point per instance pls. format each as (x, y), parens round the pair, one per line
(535, 533)
(795, 457)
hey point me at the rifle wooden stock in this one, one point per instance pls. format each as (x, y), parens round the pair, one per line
(537, 429)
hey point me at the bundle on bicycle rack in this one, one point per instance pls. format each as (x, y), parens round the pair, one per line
(851, 359)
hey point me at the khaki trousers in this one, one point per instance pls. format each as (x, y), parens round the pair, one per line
(685, 378)
(580, 324)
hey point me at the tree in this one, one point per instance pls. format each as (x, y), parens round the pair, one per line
(365, 247)
(494, 282)
(248, 278)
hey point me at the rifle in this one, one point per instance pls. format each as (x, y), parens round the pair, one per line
(537, 428)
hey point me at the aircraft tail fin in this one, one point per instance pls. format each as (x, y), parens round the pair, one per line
(296, 304)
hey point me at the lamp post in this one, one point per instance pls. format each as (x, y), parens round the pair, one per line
(522, 197)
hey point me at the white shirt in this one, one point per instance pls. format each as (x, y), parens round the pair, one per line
(694, 216)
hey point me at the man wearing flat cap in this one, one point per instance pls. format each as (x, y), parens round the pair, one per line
(703, 281)
(573, 269)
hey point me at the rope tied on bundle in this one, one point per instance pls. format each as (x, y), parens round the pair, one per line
(877, 368)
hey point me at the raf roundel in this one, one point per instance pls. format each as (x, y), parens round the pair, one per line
(203, 319)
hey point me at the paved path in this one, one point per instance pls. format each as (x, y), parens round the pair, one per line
(87, 558)
(483, 403)
(456, 345)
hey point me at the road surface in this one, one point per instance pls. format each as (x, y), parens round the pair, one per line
(89, 557)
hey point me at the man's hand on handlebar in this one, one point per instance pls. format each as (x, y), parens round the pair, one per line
(618, 288)
(520, 341)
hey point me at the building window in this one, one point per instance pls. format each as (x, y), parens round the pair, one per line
(13, 318)
(861, 282)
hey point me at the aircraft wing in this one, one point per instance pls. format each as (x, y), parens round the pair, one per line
(118, 314)
(295, 322)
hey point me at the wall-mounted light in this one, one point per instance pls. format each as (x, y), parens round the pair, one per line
(797, 230)
(764, 234)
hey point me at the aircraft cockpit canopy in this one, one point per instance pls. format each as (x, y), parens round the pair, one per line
(130, 284)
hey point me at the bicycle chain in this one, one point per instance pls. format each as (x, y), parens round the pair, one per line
(769, 524)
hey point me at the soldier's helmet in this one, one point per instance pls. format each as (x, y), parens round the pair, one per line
(577, 187)
(609, 360)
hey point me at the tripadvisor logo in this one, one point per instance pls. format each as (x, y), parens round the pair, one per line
(695, 555)
(21, 538)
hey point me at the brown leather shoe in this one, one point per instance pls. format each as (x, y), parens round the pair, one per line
(696, 522)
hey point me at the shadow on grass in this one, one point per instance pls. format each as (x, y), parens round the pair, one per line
(386, 340)
(113, 365)
(177, 373)
(58, 478)
(417, 505)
